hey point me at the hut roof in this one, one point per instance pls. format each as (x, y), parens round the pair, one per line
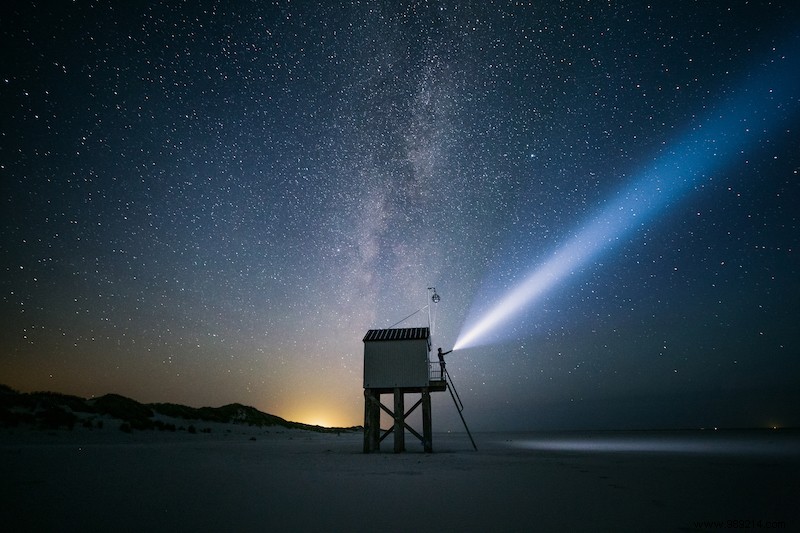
(397, 334)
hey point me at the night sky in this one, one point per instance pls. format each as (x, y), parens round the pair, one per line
(212, 202)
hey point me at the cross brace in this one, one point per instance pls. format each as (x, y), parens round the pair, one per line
(372, 408)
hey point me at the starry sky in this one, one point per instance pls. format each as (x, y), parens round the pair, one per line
(212, 202)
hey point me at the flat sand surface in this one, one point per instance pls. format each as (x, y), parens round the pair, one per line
(248, 479)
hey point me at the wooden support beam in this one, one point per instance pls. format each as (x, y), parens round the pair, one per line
(409, 428)
(372, 421)
(412, 409)
(427, 422)
(387, 410)
(367, 407)
(399, 424)
(414, 432)
(373, 435)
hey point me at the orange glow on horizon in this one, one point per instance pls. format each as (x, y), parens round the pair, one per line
(319, 417)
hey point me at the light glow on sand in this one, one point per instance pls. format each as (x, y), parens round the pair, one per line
(692, 442)
(765, 103)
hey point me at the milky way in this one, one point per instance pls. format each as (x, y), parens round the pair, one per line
(212, 203)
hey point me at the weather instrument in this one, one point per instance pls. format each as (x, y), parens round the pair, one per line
(435, 297)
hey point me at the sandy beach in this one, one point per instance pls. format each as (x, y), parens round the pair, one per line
(250, 479)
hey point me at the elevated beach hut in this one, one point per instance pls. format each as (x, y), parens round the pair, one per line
(397, 362)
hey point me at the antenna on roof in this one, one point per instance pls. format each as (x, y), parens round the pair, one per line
(431, 321)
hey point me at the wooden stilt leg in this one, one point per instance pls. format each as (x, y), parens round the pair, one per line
(368, 427)
(399, 428)
(427, 423)
(372, 421)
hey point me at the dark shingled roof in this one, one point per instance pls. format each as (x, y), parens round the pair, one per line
(400, 334)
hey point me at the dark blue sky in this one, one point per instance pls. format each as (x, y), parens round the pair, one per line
(210, 202)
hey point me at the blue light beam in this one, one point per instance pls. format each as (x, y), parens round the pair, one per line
(767, 101)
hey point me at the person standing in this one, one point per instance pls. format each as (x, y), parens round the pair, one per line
(441, 355)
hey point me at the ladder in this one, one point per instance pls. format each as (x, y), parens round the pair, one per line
(459, 405)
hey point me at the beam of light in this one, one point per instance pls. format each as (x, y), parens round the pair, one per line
(769, 100)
